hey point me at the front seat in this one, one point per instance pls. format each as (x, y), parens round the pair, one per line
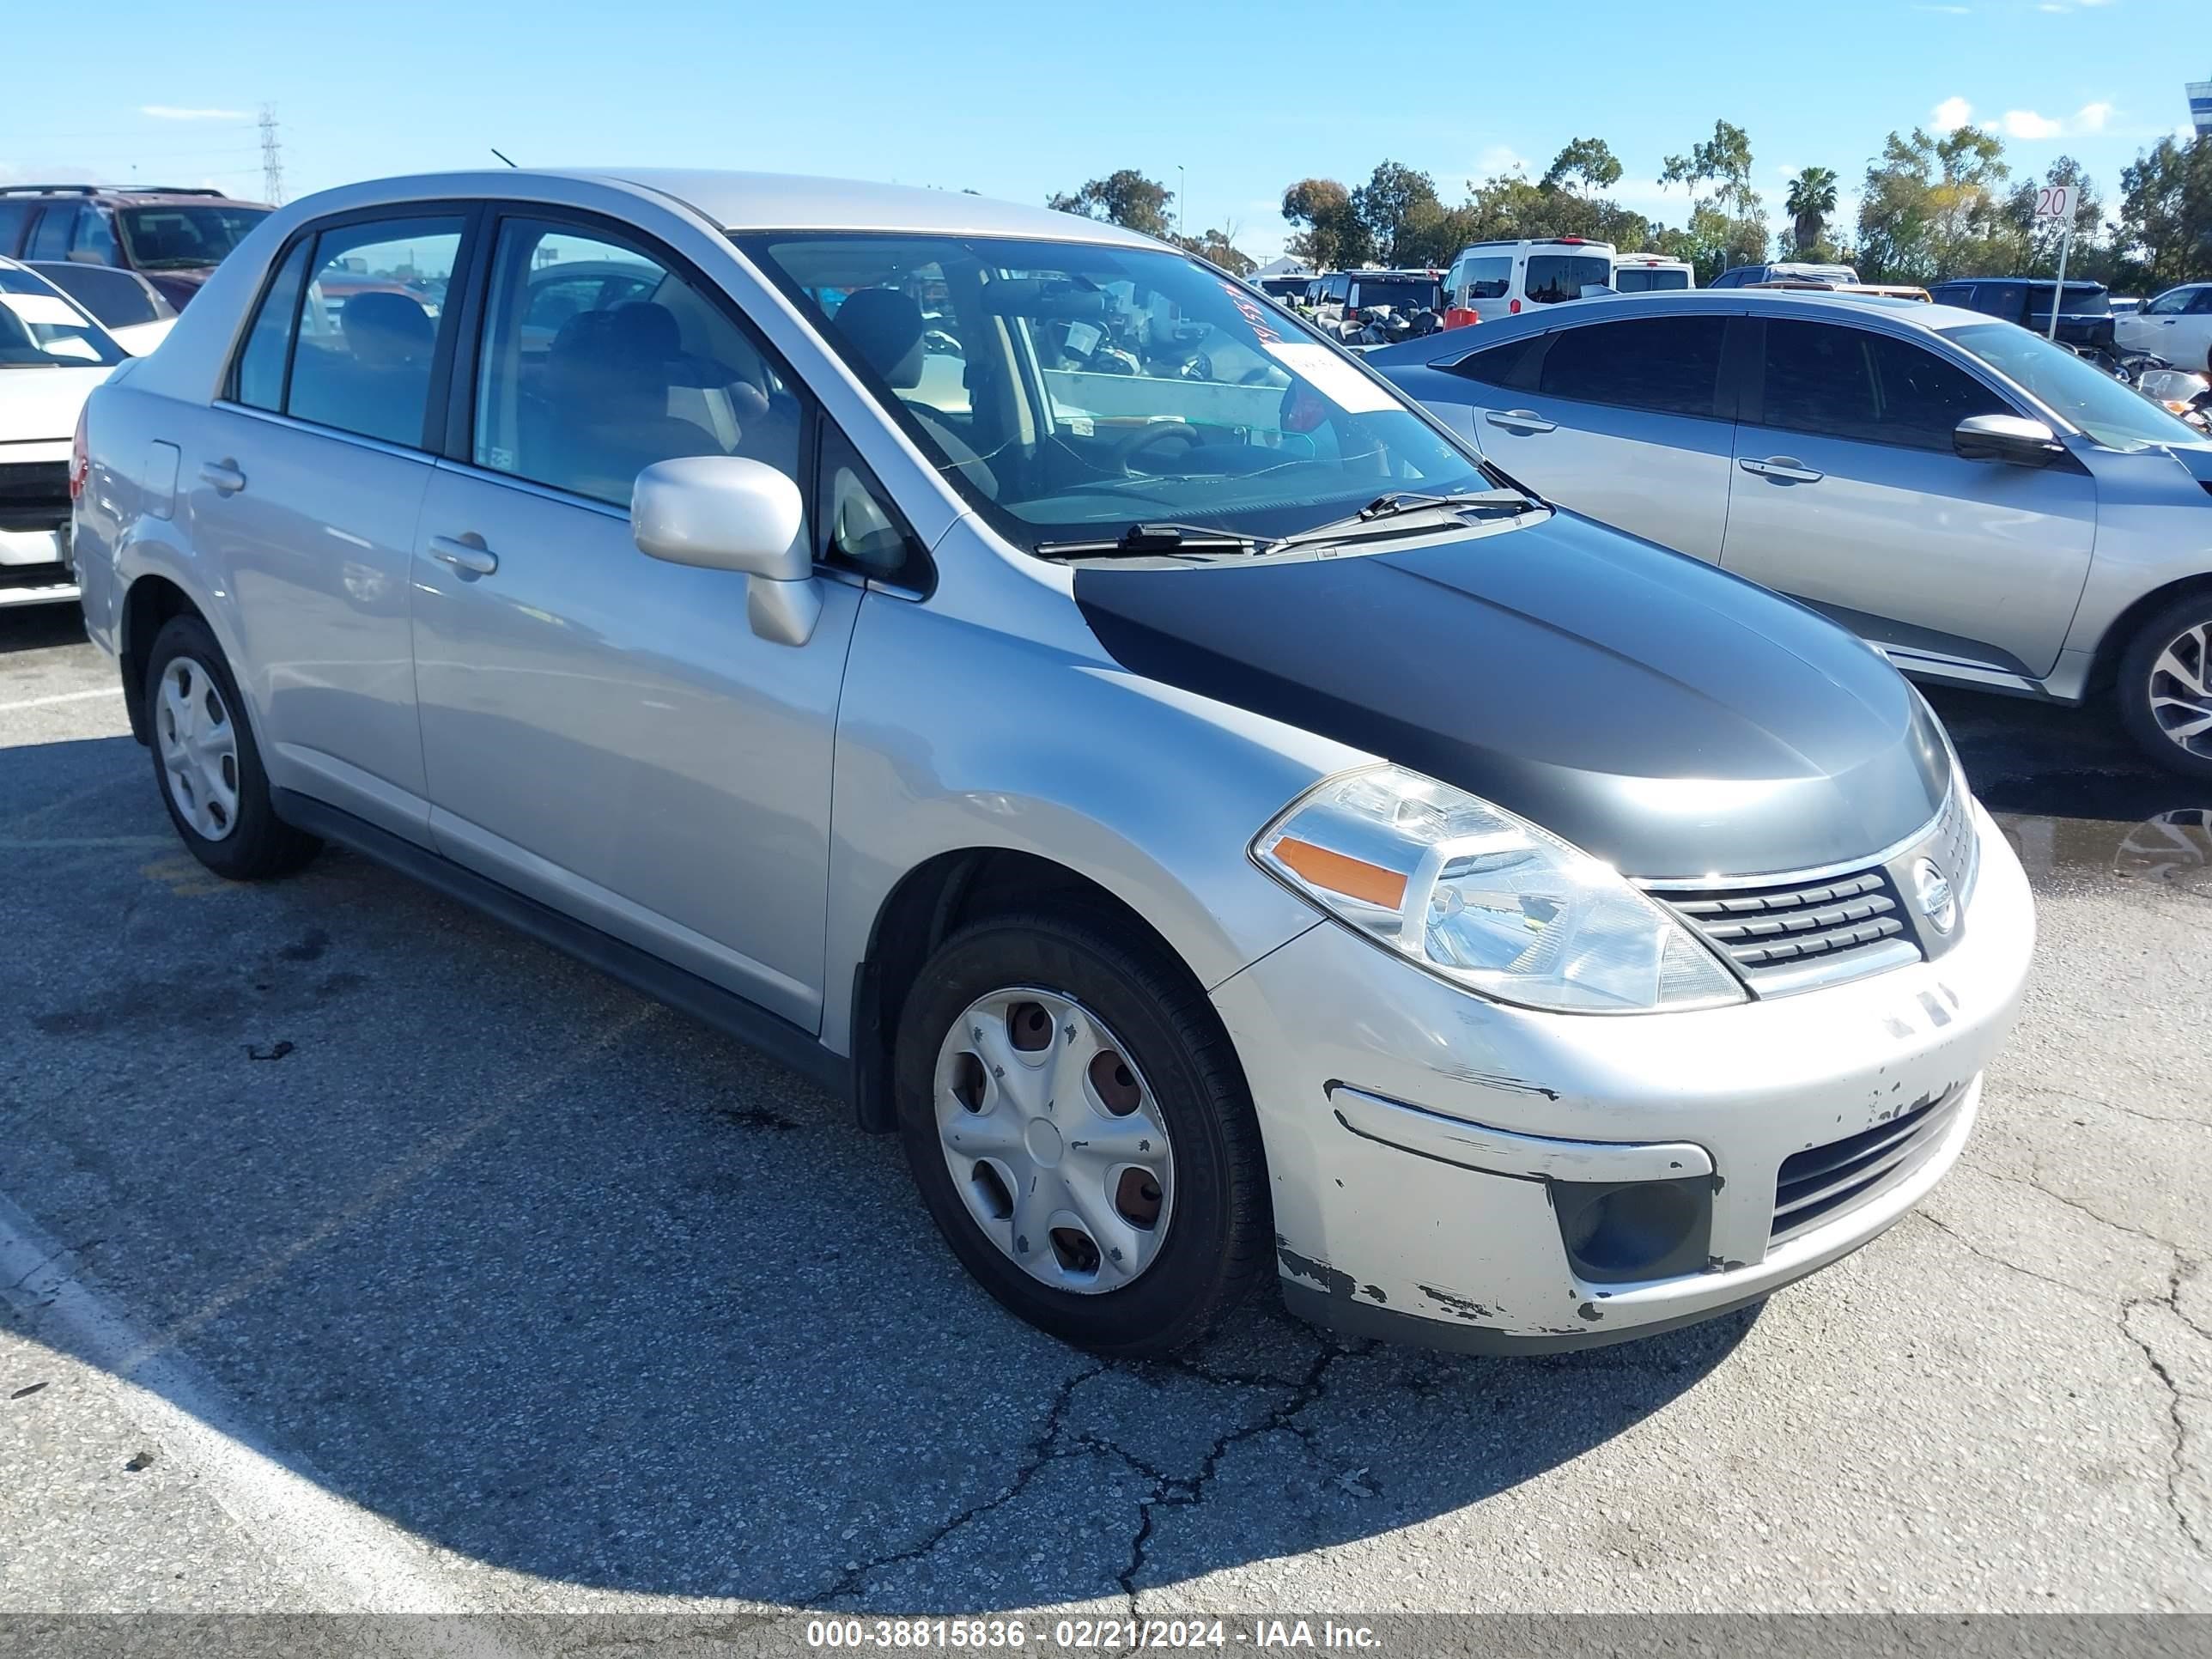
(885, 328)
(607, 386)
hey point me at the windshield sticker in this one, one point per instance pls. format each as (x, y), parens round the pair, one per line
(1249, 308)
(1334, 377)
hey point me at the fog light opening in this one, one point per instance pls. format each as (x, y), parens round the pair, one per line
(1621, 1231)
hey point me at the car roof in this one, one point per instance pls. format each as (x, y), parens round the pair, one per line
(1824, 303)
(120, 195)
(740, 201)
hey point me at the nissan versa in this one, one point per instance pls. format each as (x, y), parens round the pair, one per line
(999, 665)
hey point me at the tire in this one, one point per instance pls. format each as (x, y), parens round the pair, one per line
(2154, 699)
(1156, 1055)
(218, 796)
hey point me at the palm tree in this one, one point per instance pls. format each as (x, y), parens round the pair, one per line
(1812, 198)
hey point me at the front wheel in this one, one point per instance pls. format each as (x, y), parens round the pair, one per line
(2164, 686)
(1080, 1129)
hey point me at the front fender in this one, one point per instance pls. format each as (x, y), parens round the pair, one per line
(955, 735)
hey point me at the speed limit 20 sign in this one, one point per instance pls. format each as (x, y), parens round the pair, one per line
(2056, 202)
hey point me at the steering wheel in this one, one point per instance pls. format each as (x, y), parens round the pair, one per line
(1144, 437)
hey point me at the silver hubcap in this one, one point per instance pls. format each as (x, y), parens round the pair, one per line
(199, 748)
(2181, 689)
(1055, 1140)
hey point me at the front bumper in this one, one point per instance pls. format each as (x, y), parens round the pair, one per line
(1426, 1146)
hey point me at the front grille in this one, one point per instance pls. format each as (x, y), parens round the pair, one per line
(34, 495)
(1789, 923)
(1814, 1184)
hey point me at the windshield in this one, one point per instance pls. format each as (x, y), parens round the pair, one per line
(1648, 279)
(2115, 416)
(38, 329)
(1556, 276)
(1065, 388)
(175, 237)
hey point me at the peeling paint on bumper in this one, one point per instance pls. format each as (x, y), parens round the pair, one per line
(1425, 1213)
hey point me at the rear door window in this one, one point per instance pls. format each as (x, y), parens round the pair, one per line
(14, 216)
(369, 327)
(1488, 276)
(1668, 365)
(1841, 382)
(1554, 277)
(1511, 366)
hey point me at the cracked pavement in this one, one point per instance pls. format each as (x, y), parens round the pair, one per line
(501, 1288)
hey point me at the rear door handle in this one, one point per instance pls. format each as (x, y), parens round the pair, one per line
(467, 553)
(222, 476)
(1521, 420)
(1783, 469)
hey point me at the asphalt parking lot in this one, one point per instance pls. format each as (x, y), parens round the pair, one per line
(358, 1253)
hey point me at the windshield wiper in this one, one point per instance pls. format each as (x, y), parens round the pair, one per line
(1376, 513)
(1148, 540)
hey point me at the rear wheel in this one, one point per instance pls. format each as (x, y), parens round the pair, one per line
(207, 764)
(1080, 1132)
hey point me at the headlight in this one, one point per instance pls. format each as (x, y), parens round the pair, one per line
(1485, 899)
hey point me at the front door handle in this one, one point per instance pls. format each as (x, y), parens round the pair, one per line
(466, 553)
(1783, 469)
(222, 476)
(1521, 420)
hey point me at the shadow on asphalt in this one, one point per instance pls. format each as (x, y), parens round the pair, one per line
(557, 1280)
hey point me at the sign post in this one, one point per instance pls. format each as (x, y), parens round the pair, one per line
(2057, 202)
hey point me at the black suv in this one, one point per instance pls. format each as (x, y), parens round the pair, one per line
(2085, 310)
(173, 235)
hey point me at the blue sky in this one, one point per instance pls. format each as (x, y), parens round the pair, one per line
(1019, 100)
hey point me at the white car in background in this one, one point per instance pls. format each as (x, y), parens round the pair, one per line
(123, 302)
(1651, 273)
(2176, 325)
(51, 356)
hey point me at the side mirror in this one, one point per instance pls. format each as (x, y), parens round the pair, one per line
(725, 512)
(2012, 439)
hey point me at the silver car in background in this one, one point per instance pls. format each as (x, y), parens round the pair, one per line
(1051, 697)
(1985, 508)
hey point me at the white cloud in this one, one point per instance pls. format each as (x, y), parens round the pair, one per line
(1952, 113)
(1499, 158)
(171, 113)
(2090, 118)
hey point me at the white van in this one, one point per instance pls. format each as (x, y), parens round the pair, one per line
(1651, 273)
(1500, 279)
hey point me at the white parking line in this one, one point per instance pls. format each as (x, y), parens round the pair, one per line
(353, 1562)
(61, 696)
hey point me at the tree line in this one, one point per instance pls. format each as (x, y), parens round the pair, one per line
(1934, 205)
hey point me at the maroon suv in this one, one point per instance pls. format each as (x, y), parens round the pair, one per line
(174, 236)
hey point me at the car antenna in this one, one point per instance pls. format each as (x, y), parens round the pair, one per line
(496, 152)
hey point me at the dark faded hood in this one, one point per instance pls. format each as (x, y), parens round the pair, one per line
(1663, 716)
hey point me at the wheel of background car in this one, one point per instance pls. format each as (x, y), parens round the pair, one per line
(2164, 686)
(207, 764)
(1146, 436)
(1076, 1120)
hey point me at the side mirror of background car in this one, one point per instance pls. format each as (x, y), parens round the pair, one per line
(2013, 439)
(725, 512)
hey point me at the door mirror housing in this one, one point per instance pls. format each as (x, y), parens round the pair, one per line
(2013, 439)
(725, 512)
